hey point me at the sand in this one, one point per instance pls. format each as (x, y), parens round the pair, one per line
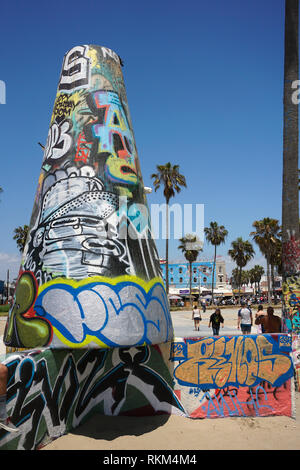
(179, 433)
(108, 433)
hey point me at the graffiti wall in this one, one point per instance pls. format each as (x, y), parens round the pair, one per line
(51, 392)
(296, 360)
(240, 376)
(90, 273)
(291, 297)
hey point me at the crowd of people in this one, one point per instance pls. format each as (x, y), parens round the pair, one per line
(265, 320)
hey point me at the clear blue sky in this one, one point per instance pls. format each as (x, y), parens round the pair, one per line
(204, 83)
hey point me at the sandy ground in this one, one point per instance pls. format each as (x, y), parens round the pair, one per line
(179, 433)
(107, 433)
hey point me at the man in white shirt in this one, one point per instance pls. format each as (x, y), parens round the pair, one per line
(245, 319)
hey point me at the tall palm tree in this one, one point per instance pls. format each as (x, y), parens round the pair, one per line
(190, 245)
(215, 235)
(21, 236)
(171, 180)
(257, 272)
(241, 252)
(276, 256)
(252, 278)
(290, 192)
(235, 275)
(267, 232)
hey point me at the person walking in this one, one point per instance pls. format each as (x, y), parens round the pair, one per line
(196, 317)
(260, 311)
(245, 319)
(203, 303)
(215, 321)
(270, 323)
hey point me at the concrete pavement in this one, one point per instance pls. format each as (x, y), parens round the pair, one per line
(184, 325)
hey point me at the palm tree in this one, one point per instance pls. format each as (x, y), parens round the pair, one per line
(241, 252)
(257, 271)
(215, 235)
(252, 278)
(276, 256)
(21, 236)
(290, 192)
(171, 180)
(190, 245)
(267, 232)
(235, 275)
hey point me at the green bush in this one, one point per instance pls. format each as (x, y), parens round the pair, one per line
(4, 308)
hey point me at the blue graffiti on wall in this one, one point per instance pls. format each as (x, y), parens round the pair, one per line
(104, 313)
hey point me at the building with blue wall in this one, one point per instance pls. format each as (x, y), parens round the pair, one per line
(179, 275)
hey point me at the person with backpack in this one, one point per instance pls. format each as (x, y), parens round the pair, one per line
(215, 321)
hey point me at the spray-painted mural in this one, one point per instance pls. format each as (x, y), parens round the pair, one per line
(296, 359)
(50, 392)
(90, 273)
(291, 296)
(234, 376)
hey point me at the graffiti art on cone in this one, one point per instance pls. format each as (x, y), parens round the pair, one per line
(90, 274)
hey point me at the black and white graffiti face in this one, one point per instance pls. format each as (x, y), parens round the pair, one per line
(75, 236)
(78, 246)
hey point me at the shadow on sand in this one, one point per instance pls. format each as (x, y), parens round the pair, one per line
(108, 428)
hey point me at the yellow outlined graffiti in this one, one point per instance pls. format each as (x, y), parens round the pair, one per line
(128, 304)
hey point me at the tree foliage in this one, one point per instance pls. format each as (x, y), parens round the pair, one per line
(21, 236)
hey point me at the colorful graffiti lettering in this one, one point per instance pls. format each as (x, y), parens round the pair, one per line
(63, 107)
(291, 297)
(93, 313)
(112, 135)
(83, 149)
(24, 327)
(261, 400)
(50, 392)
(239, 361)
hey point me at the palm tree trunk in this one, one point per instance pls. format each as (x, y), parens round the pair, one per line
(290, 191)
(213, 276)
(190, 284)
(240, 278)
(269, 281)
(167, 248)
(273, 280)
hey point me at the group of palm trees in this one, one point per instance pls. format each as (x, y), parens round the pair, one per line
(267, 236)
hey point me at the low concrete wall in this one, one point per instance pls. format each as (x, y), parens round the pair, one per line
(51, 392)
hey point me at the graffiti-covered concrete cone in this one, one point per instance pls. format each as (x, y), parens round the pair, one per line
(90, 274)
